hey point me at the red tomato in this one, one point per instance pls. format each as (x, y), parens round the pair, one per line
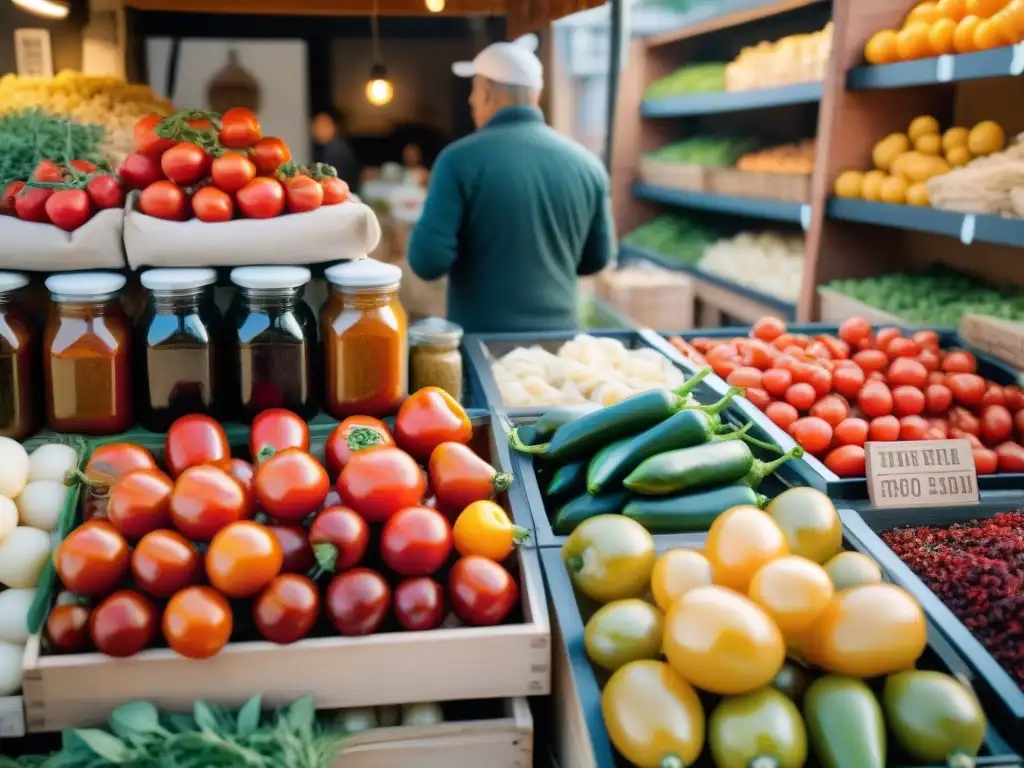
(146, 140)
(937, 377)
(959, 434)
(884, 429)
(337, 450)
(123, 624)
(204, 500)
(416, 541)
(197, 622)
(239, 128)
(847, 461)
(458, 477)
(67, 628)
(914, 427)
(875, 399)
(744, 376)
(851, 431)
(481, 591)
(832, 409)
(986, 461)
(871, 360)
(996, 425)
(768, 329)
(758, 397)
(885, 336)
(419, 604)
(269, 154)
(243, 558)
(1011, 457)
(112, 461)
(837, 348)
(959, 361)
(782, 414)
(232, 171)
(776, 381)
(929, 358)
(813, 434)
(92, 559)
(926, 339)
(194, 440)
(339, 537)
(275, 430)
(212, 205)
(848, 381)
(993, 396)
(30, 204)
(295, 548)
(938, 429)
(854, 329)
(902, 347)
(758, 354)
(261, 198)
(105, 192)
(357, 602)
(8, 196)
(303, 194)
(291, 485)
(242, 471)
(937, 398)
(185, 163)
(428, 418)
(906, 371)
(965, 421)
(85, 166)
(336, 191)
(140, 502)
(377, 483)
(165, 562)
(967, 388)
(139, 171)
(1014, 398)
(68, 208)
(801, 396)
(164, 200)
(907, 401)
(48, 171)
(818, 351)
(724, 368)
(287, 609)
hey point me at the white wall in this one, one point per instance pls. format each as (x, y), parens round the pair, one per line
(279, 66)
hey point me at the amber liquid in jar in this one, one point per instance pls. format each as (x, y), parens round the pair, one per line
(87, 366)
(365, 351)
(19, 377)
(273, 354)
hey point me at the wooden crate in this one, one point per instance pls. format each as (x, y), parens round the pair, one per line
(673, 175)
(792, 187)
(837, 307)
(505, 742)
(1001, 338)
(12, 717)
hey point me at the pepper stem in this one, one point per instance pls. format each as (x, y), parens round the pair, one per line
(762, 469)
(362, 438)
(516, 444)
(520, 534)
(502, 481)
(692, 383)
(715, 408)
(960, 760)
(671, 761)
(574, 563)
(763, 761)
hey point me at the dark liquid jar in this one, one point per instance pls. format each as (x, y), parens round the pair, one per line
(178, 344)
(87, 355)
(19, 378)
(273, 353)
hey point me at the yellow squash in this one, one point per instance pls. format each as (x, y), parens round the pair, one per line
(739, 542)
(809, 522)
(623, 631)
(755, 729)
(793, 591)
(677, 572)
(852, 569)
(610, 557)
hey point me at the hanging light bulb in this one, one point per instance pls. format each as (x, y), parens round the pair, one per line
(435, 6)
(379, 90)
(48, 9)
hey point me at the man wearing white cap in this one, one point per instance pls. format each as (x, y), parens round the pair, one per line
(515, 212)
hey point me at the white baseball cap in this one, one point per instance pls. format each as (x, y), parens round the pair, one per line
(514, 63)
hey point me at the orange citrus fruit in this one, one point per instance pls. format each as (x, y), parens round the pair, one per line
(881, 47)
(1015, 13)
(926, 12)
(1006, 25)
(912, 42)
(940, 36)
(963, 40)
(988, 36)
(985, 8)
(953, 9)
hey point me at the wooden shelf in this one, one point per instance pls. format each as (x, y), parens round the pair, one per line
(1000, 62)
(754, 207)
(706, 20)
(732, 101)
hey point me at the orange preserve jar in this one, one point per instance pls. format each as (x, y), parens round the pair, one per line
(363, 328)
(87, 360)
(19, 377)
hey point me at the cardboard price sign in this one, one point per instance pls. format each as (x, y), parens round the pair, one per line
(921, 473)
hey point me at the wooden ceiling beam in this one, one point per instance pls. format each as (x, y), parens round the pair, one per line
(324, 7)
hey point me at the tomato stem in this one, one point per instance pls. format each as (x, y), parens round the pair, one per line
(520, 534)
(265, 452)
(502, 481)
(364, 437)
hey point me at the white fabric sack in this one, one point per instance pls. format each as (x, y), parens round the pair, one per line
(32, 247)
(330, 233)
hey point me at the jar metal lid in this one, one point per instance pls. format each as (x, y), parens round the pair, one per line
(177, 279)
(435, 331)
(85, 284)
(12, 281)
(269, 278)
(363, 273)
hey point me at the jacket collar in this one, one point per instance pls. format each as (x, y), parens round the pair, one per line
(517, 114)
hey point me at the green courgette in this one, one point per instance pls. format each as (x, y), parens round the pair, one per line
(691, 512)
(845, 725)
(567, 480)
(586, 506)
(702, 466)
(544, 427)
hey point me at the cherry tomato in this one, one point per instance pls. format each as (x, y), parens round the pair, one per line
(813, 434)
(458, 477)
(848, 381)
(986, 461)
(185, 163)
(337, 450)
(8, 196)
(768, 329)
(377, 483)
(776, 381)
(197, 622)
(92, 559)
(937, 377)
(959, 361)
(339, 537)
(847, 461)
(967, 388)
(745, 376)
(303, 194)
(821, 380)
(239, 128)
(929, 358)
(123, 624)
(428, 418)
(291, 485)
(758, 397)
(287, 609)
(964, 420)
(146, 140)
(261, 198)
(832, 409)
(140, 502)
(357, 601)
(416, 541)
(993, 396)
(269, 154)
(85, 166)
(242, 471)
(937, 398)
(871, 360)
(419, 604)
(105, 192)
(851, 431)
(48, 171)
(212, 205)
(275, 430)
(232, 171)
(139, 171)
(484, 528)
(927, 339)
(1011, 457)
(914, 427)
(838, 349)
(194, 440)
(782, 414)
(907, 401)
(884, 429)
(801, 396)
(243, 558)
(108, 464)
(164, 200)
(905, 371)
(875, 399)
(30, 204)
(482, 592)
(996, 425)
(1014, 398)
(885, 336)
(165, 562)
(296, 551)
(336, 191)
(204, 500)
(854, 329)
(68, 208)
(959, 434)
(758, 354)
(902, 347)
(938, 429)
(67, 628)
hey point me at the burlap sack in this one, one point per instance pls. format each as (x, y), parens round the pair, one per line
(30, 247)
(330, 233)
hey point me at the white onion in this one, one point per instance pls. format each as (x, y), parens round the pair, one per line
(14, 607)
(8, 517)
(23, 556)
(13, 467)
(10, 668)
(40, 503)
(52, 462)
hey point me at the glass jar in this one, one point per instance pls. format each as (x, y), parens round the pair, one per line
(87, 355)
(363, 326)
(435, 359)
(19, 412)
(272, 360)
(177, 345)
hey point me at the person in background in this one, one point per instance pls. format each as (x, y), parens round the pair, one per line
(412, 160)
(331, 146)
(516, 211)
